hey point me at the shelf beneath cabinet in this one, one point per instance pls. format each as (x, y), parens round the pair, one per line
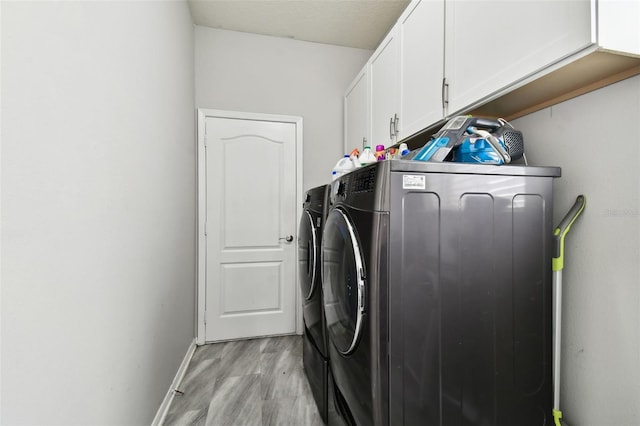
(591, 72)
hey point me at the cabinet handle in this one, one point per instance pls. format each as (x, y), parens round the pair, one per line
(445, 86)
(391, 128)
(395, 124)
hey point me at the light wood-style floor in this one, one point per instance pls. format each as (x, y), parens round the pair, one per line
(249, 382)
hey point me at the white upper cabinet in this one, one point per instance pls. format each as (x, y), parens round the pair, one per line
(502, 58)
(492, 44)
(356, 112)
(384, 83)
(421, 29)
(406, 74)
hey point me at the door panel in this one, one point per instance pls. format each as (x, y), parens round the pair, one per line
(250, 288)
(251, 184)
(493, 44)
(421, 68)
(383, 77)
(244, 158)
(356, 109)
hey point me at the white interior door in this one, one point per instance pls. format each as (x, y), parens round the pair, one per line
(251, 178)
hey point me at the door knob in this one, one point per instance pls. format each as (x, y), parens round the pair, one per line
(288, 238)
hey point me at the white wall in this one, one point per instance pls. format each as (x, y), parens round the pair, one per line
(247, 72)
(98, 208)
(594, 138)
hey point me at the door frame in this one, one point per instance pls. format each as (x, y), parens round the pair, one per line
(201, 282)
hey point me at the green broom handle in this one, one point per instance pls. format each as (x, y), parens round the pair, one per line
(557, 263)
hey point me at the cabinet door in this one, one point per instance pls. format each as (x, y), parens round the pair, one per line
(421, 66)
(491, 44)
(383, 75)
(356, 112)
(618, 23)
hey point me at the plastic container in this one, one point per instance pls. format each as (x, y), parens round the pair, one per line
(354, 158)
(403, 150)
(480, 151)
(367, 157)
(380, 153)
(343, 166)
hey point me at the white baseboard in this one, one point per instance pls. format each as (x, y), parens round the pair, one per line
(158, 420)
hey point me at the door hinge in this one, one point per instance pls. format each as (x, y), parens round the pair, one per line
(205, 229)
(205, 317)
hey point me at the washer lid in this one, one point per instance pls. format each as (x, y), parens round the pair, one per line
(343, 281)
(307, 255)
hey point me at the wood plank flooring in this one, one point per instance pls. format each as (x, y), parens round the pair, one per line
(256, 382)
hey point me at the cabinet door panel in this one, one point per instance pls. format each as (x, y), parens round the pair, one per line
(492, 44)
(422, 63)
(618, 23)
(356, 112)
(383, 75)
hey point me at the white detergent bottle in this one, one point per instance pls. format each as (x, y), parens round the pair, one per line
(403, 150)
(343, 166)
(367, 156)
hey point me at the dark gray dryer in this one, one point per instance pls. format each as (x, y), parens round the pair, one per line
(315, 355)
(437, 294)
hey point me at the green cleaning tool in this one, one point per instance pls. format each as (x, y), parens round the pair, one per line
(557, 264)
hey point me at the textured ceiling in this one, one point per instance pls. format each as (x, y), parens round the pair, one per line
(352, 23)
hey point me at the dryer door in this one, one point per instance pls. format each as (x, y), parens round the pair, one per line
(343, 281)
(307, 255)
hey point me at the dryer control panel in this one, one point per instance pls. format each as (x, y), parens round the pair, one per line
(357, 188)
